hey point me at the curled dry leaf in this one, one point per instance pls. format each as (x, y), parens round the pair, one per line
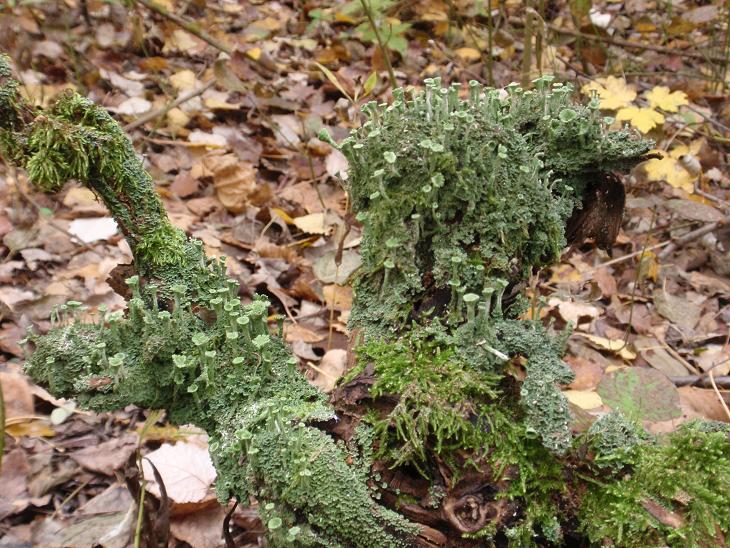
(234, 181)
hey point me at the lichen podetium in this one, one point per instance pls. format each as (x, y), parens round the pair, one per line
(460, 200)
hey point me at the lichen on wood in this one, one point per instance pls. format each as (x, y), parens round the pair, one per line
(451, 428)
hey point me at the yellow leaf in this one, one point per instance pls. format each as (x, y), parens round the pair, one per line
(313, 223)
(642, 118)
(648, 266)
(616, 346)
(254, 53)
(660, 97)
(669, 168)
(613, 92)
(338, 297)
(184, 80)
(585, 399)
(468, 55)
(370, 83)
(283, 214)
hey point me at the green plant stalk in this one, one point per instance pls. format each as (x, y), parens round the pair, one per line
(383, 48)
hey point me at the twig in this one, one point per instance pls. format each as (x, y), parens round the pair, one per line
(700, 192)
(627, 257)
(719, 396)
(168, 107)
(189, 26)
(700, 380)
(629, 44)
(687, 238)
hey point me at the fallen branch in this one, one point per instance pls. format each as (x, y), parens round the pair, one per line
(184, 98)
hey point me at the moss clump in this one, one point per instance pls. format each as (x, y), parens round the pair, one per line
(674, 491)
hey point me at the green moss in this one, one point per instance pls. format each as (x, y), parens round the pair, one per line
(674, 492)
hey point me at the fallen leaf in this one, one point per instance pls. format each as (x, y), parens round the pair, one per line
(314, 223)
(295, 332)
(642, 118)
(614, 93)
(202, 528)
(678, 310)
(640, 393)
(17, 393)
(617, 346)
(93, 229)
(585, 399)
(661, 97)
(587, 373)
(185, 469)
(14, 496)
(695, 211)
(573, 311)
(208, 140)
(338, 297)
(330, 369)
(655, 354)
(714, 357)
(669, 168)
(108, 456)
(702, 402)
(468, 55)
(133, 106)
(327, 271)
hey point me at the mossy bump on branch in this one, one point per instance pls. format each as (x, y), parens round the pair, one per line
(444, 341)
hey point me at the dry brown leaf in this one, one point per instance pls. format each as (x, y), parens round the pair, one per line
(185, 469)
(18, 395)
(338, 297)
(330, 369)
(701, 402)
(108, 456)
(295, 332)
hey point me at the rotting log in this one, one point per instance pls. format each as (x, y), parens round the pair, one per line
(450, 429)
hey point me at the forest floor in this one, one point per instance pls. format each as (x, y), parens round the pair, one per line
(224, 100)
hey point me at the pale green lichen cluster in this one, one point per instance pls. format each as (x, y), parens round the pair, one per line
(461, 199)
(226, 372)
(459, 194)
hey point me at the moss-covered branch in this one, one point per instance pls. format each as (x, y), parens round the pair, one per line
(186, 344)
(451, 429)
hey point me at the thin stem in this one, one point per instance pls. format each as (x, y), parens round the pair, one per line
(368, 12)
